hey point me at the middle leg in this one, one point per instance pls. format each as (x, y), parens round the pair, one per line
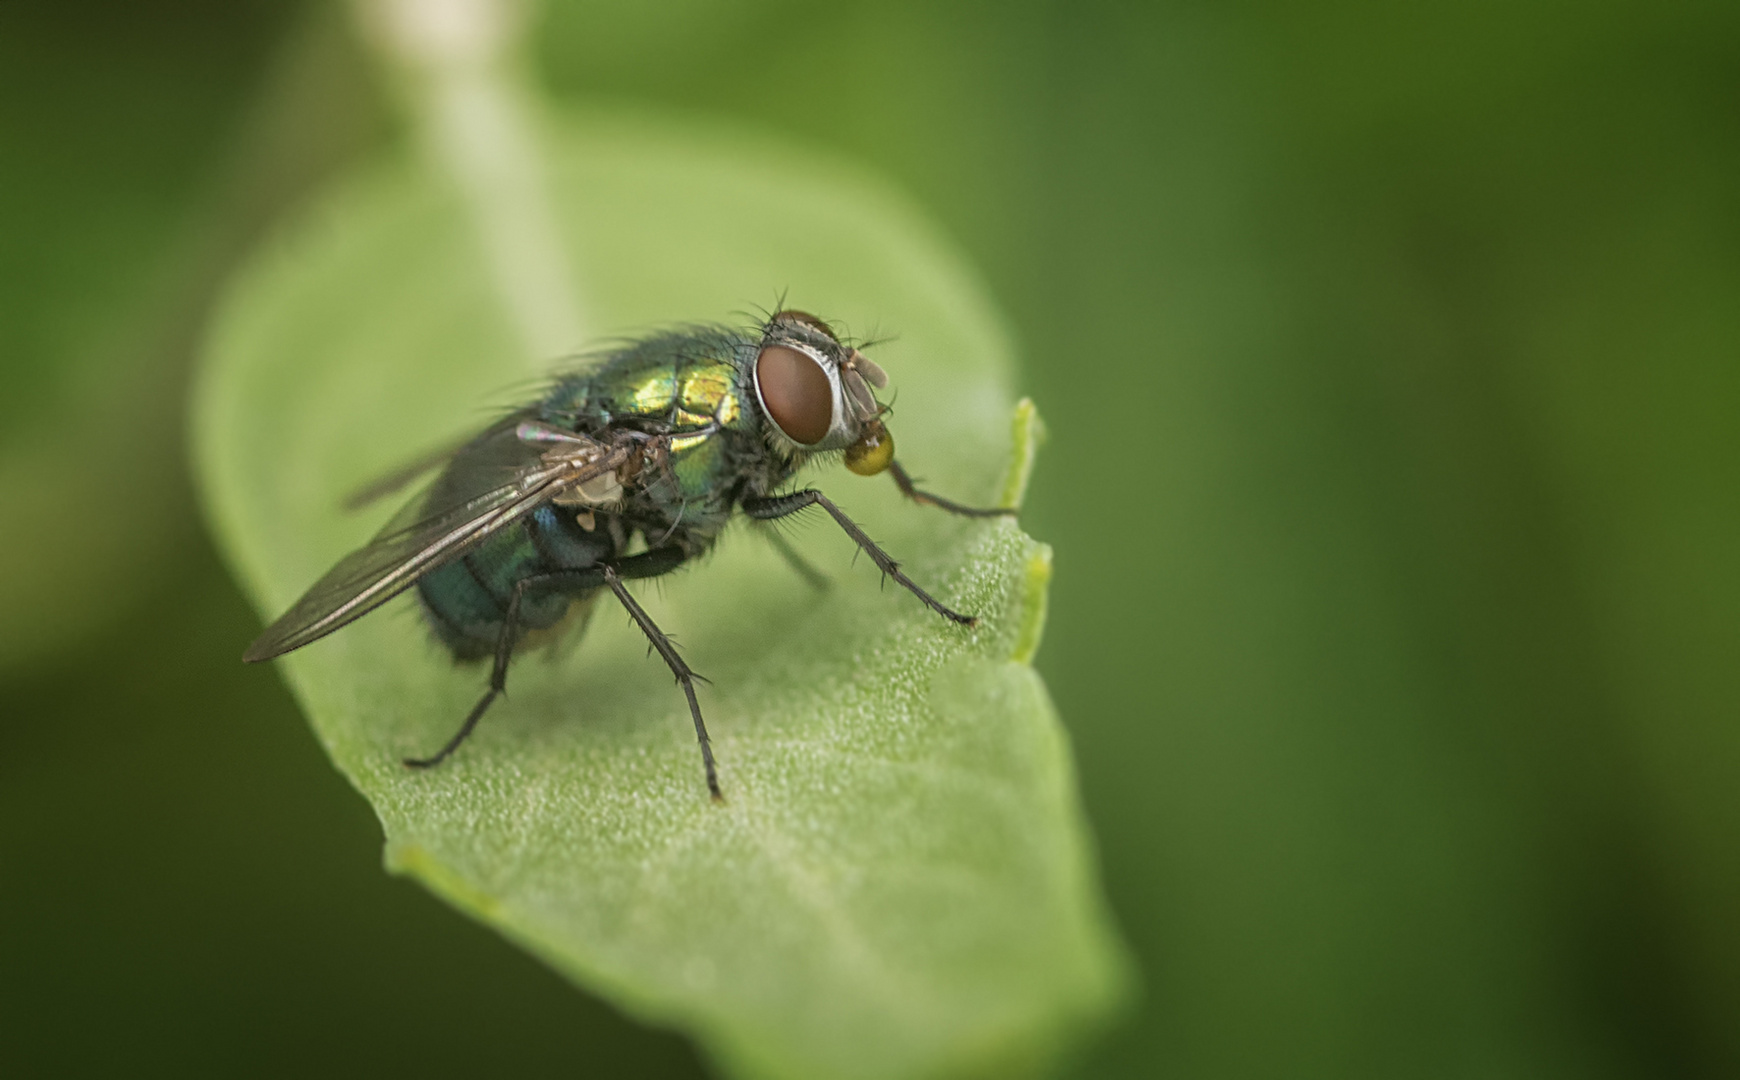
(793, 558)
(685, 675)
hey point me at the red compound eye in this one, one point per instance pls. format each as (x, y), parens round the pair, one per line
(796, 393)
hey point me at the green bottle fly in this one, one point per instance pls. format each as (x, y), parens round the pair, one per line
(652, 451)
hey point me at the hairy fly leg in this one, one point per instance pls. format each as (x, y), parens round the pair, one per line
(925, 498)
(794, 558)
(778, 506)
(504, 650)
(685, 675)
(646, 564)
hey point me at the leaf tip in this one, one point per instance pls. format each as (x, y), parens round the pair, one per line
(1029, 431)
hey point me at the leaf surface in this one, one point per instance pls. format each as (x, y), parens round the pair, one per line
(900, 882)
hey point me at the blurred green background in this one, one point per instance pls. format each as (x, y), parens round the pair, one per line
(1391, 355)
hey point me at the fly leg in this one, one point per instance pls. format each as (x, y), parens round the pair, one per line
(678, 667)
(925, 498)
(800, 565)
(778, 506)
(646, 564)
(504, 649)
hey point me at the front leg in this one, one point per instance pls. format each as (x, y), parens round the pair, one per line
(925, 498)
(778, 506)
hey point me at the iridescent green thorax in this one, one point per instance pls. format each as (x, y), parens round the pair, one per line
(695, 385)
(678, 381)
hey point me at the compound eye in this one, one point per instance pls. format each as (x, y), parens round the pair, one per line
(796, 393)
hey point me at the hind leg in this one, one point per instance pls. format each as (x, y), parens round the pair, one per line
(646, 564)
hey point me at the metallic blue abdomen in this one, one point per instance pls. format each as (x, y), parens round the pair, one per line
(467, 600)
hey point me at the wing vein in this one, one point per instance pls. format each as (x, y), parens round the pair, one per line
(510, 470)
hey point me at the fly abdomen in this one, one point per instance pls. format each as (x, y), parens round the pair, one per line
(467, 600)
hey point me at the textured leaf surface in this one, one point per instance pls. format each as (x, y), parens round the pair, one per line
(900, 882)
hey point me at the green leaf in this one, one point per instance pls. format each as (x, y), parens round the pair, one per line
(900, 881)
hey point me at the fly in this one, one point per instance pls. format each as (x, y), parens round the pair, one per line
(661, 444)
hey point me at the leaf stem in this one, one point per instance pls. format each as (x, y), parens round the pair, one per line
(479, 120)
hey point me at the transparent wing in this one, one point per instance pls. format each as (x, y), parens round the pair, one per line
(491, 482)
(402, 477)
